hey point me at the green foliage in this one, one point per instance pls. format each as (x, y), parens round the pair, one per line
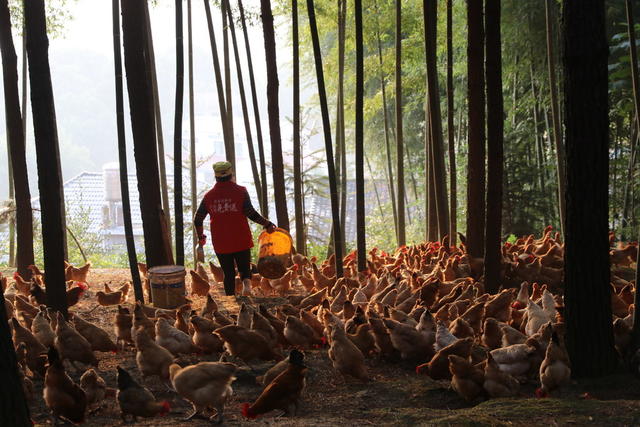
(58, 13)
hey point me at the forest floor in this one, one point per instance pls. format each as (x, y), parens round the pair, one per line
(395, 396)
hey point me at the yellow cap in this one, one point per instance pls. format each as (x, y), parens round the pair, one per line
(222, 169)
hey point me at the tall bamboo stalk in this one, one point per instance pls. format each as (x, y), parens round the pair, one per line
(122, 156)
(402, 237)
(256, 113)
(177, 137)
(555, 114)
(360, 201)
(243, 103)
(151, 63)
(219, 86)
(192, 136)
(297, 172)
(453, 185)
(326, 125)
(230, 140)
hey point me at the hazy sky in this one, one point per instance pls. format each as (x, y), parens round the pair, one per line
(81, 62)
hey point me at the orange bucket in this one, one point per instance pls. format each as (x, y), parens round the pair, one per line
(274, 256)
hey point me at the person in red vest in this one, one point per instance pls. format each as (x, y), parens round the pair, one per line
(228, 204)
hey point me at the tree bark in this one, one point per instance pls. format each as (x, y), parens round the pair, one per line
(264, 206)
(229, 154)
(156, 238)
(430, 11)
(385, 115)
(476, 122)
(326, 125)
(402, 234)
(151, 64)
(589, 334)
(243, 103)
(47, 155)
(277, 164)
(177, 137)
(453, 185)
(301, 245)
(224, 5)
(14, 410)
(16, 145)
(495, 155)
(360, 202)
(122, 156)
(555, 114)
(192, 136)
(635, 333)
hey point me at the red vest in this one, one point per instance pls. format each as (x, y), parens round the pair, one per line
(230, 230)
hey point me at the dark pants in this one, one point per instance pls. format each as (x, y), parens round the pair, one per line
(242, 260)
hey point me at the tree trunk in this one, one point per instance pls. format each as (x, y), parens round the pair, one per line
(229, 154)
(495, 140)
(430, 194)
(635, 344)
(326, 124)
(385, 114)
(360, 202)
(192, 136)
(430, 11)
(156, 238)
(122, 156)
(589, 334)
(177, 137)
(243, 103)
(151, 64)
(277, 164)
(402, 234)
(224, 4)
(12, 220)
(375, 187)
(536, 133)
(264, 206)
(555, 114)
(47, 155)
(16, 145)
(476, 156)
(297, 172)
(14, 410)
(453, 187)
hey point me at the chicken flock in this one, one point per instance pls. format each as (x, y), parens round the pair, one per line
(423, 305)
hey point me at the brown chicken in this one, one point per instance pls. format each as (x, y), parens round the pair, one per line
(205, 385)
(282, 285)
(22, 286)
(498, 383)
(411, 344)
(246, 345)
(438, 367)
(204, 338)
(74, 294)
(363, 339)
(555, 369)
(283, 392)
(174, 340)
(217, 272)
(122, 326)
(199, 285)
(41, 329)
(38, 295)
(111, 298)
(345, 356)
(299, 334)
(263, 326)
(322, 281)
(210, 306)
(77, 274)
(466, 379)
(72, 345)
(64, 398)
(136, 400)
(97, 337)
(35, 351)
(151, 358)
(94, 387)
(140, 319)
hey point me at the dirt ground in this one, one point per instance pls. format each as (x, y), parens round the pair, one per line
(395, 396)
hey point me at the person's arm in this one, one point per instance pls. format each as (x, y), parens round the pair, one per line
(198, 220)
(253, 215)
